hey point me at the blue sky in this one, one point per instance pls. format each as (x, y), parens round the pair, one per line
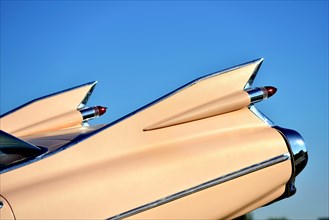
(141, 50)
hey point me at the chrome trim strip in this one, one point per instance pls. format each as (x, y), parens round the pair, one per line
(86, 98)
(261, 116)
(211, 183)
(254, 74)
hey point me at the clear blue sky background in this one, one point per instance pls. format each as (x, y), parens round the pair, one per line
(141, 50)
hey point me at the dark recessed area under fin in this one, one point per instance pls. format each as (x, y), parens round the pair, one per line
(14, 150)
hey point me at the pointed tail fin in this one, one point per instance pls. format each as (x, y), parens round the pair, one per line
(215, 94)
(42, 113)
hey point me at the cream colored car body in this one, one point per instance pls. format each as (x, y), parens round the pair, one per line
(198, 153)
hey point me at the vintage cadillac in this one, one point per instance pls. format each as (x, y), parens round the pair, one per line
(202, 151)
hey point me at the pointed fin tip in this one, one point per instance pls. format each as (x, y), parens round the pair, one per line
(254, 74)
(259, 60)
(92, 82)
(88, 94)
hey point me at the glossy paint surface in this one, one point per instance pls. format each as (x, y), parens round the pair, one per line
(123, 166)
(139, 51)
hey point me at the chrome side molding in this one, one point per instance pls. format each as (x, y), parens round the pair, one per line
(221, 179)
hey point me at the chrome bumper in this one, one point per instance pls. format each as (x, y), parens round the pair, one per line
(299, 158)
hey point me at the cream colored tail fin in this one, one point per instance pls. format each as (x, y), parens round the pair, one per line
(212, 95)
(43, 113)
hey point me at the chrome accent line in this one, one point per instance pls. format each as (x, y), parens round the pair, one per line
(261, 116)
(211, 183)
(297, 148)
(86, 98)
(254, 74)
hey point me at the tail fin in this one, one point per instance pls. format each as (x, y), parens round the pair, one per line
(21, 120)
(208, 96)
